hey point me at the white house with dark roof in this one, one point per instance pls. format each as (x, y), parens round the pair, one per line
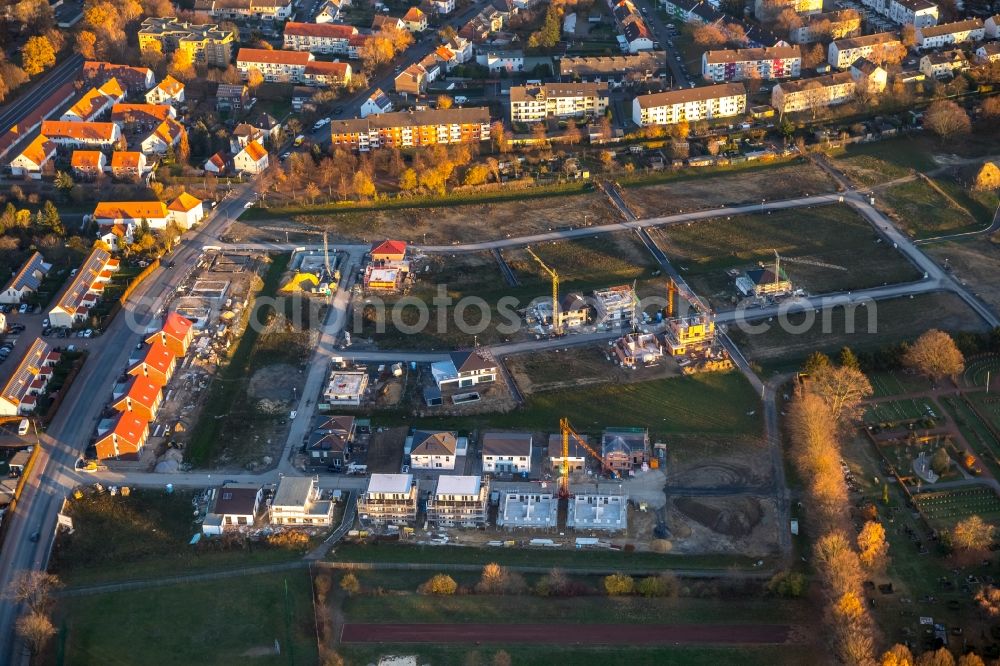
(236, 507)
(464, 370)
(507, 452)
(377, 103)
(433, 450)
(26, 281)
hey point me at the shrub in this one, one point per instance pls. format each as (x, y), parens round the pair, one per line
(440, 584)
(290, 539)
(617, 585)
(350, 584)
(664, 585)
(499, 580)
(787, 584)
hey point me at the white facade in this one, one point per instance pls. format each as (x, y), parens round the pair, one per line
(297, 502)
(960, 32)
(843, 52)
(704, 103)
(779, 62)
(530, 104)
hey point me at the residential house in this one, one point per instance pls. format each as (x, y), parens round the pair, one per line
(878, 48)
(946, 34)
(501, 61)
(327, 74)
(236, 506)
(828, 90)
(530, 104)
(176, 334)
(868, 76)
(988, 52)
(117, 236)
(34, 157)
(216, 164)
(84, 289)
(128, 164)
(243, 134)
(944, 64)
(703, 103)
(81, 134)
(389, 251)
(389, 499)
(141, 397)
(825, 26)
(377, 103)
(156, 363)
(507, 452)
(616, 71)
(166, 136)
(185, 211)
(433, 450)
(576, 458)
(768, 63)
(459, 501)
(132, 79)
(252, 159)
(205, 43)
(329, 12)
(345, 388)
(625, 449)
(331, 38)
(168, 91)
(154, 213)
(615, 306)
(412, 80)
(402, 129)
(27, 382)
(763, 281)
(918, 13)
(380, 21)
(442, 7)
(258, 10)
(415, 20)
(574, 310)
(298, 503)
(330, 444)
(635, 34)
(461, 47)
(231, 97)
(138, 118)
(95, 102)
(88, 164)
(124, 439)
(26, 281)
(464, 370)
(992, 26)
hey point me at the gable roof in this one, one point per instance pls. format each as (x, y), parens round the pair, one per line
(685, 95)
(132, 77)
(26, 276)
(126, 159)
(134, 210)
(86, 159)
(176, 326)
(183, 203)
(950, 28)
(142, 391)
(274, 57)
(158, 357)
(169, 131)
(80, 131)
(218, 159)
(507, 444)
(89, 104)
(20, 381)
(39, 150)
(124, 113)
(389, 247)
(237, 499)
(255, 151)
(170, 86)
(344, 424)
(414, 15)
(434, 443)
(471, 361)
(324, 30)
(320, 68)
(129, 430)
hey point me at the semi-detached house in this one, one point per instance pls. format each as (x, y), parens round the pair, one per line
(776, 62)
(689, 105)
(28, 381)
(84, 290)
(435, 450)
(124, 438)
(141, 397)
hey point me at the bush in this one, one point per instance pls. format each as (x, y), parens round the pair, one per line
(617, 585)
(290, 539)
(499, 580)
(664, 585)
(440, 584)
(350, 584)
(787, 584)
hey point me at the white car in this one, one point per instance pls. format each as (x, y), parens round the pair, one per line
(248, 204)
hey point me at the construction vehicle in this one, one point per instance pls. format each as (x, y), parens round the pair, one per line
(556, 319)
(567, 431)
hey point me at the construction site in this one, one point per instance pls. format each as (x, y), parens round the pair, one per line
(313, 272)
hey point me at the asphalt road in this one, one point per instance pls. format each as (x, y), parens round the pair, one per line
(59, 75)
(70, 431)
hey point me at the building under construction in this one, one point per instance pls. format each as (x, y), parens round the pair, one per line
(531, 510)
(389, 268)
(390, 499)
(597, 512)
(637, 350)
(460, 501)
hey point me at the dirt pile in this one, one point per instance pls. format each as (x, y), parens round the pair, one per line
(733, 517)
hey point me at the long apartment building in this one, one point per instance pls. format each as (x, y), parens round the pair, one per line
(459, 501)
(763, 10)
(842, 53)
(946, 34)
(403, 129)
(822, 91)
(704, 103)
(84, 290)
(390, 499)
(828, 25)
(774, 62)
(614, 70)
(261, 10)
(29, 379)
(205, 42)
(292, 67)
(918, 13)
(532, 104)
(319, 37)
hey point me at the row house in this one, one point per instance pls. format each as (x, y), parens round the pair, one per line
(389, 499)
(292, 67)
(128, 164)
(35, 156)
(828, 25)
(318, 37)
(26, 281)
(155, 362)
(95, 102)
(123, 438)
(88, 164)
(132, 79)
(878, 48)
(141, 397)
(944, 64)
(168, 91)
(124, 164)
(261, 10)
(138, 118)
(689, 105)
(918, 13)
(807, 94)
(946, 34)
(205, 43)
(459, 501)
(402, 129)
(530, 104)
(81, 134)
(20, 394)
(84, 289)
(775, 62)
(615, 71)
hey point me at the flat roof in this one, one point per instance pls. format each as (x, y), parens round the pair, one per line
(390, 483)
(346, 383)
(459, 485)
(293, 491)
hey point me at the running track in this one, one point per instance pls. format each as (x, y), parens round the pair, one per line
(568, 634)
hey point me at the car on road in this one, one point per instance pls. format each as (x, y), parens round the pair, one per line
(284, 156)
(45, 323)
(299, 139)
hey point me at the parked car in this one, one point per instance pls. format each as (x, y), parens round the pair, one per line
(23, 309)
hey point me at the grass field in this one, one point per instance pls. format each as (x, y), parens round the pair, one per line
(975, 261)
(901, 410)
(945, 508)
(893, 321)
(718, 403)
(924, 212)
(234, 620)
(834, 235)
(890, 383)
(882, 161)
(146, 534)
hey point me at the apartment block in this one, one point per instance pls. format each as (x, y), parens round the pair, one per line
(319, 37)
(205, 43)
(292, 67)
(390, 499)
(459, 501)
(260, 10)
(828, 25)
(531, 104)
(704, 103)
(946, 34)
(843, 52)
(776, 62)
(829, 90)
(404, 129)
(918, 13)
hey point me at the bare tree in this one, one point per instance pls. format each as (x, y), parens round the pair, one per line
(35, 629)
(34, 589)
(972, 534)
(935, 355)
(947, 119)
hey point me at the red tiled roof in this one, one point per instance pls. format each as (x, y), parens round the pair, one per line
(177, 326)
(86, 159)
(389, 247)
(413, 15)
(255, 151)
(273, 57)
(126, 159)
(79, 131)
(337, 69)
(158, 357)
(140, 112)
(183, 203)
(327, 30)
(142, 391)
(135, 210)
(39, 150)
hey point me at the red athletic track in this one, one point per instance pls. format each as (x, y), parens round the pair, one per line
(567, 634)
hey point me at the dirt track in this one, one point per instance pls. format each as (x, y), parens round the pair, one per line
(568, 634)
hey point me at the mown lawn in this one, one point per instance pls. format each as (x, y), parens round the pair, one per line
(227, 621)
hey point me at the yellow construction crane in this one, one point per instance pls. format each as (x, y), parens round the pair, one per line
(556, 322)
(567, 432)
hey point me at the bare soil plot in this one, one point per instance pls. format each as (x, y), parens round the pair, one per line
(385, 450)
(713, 190)
(833, 235)
(975, 262)
(867, 170)
(577, 366)
(895, 320)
